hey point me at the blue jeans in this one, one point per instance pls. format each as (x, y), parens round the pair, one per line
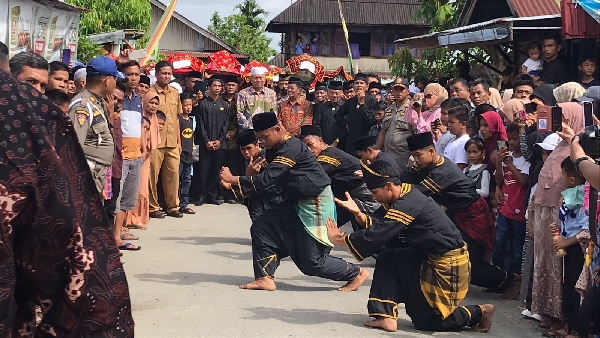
(185, 181)
(508, 230)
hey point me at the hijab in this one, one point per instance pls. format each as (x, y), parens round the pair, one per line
(494, 121)
(568, 91)
(550, 183)
(544, 93)
(436, 89)
(495, 98)
(511, 107)
(154, 133)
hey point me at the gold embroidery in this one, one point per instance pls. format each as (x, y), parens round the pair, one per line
(352, 249)
(440, 161)
(264, 268)
(371, 170)
(285, 161)
(330, 160)
(240, 187)
(252, 181)
(394, 314)
(405, 189)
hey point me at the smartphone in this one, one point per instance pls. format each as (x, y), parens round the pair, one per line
(557, 119)
(544, 118)
(501, 144)
(66, 56)
(530, 108)
(522, 115)
(436, 124)
(588, 113)
(200, 86)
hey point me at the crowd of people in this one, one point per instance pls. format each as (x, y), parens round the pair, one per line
(445, 183)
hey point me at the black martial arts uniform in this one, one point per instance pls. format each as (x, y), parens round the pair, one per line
(212, 123)
(391, 159)
(264, 200)
(356, 119)
(451, 188)
(324, 118)
(279, 232)
(340, 167)
(430, 276)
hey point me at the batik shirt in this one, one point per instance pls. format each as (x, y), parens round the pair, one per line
(58, 249)
(250, 102)
(295, 115)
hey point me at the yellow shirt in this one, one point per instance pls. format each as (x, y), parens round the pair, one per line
(171, 106)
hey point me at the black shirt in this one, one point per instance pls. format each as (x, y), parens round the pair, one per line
(554, 72)
(213, 121)
(324, 118)
(422, 223)
(187, 141)
(357, 119)
(340, 166)
(446, 184)
(293, 166)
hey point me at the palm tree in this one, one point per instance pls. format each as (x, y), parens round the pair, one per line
(250, 11)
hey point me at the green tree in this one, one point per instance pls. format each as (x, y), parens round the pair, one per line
(434, 63)
(244, 30)
(110, 15)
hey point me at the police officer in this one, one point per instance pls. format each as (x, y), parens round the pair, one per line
(90, 116)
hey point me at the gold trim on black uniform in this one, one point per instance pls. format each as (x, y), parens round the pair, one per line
(329, 160)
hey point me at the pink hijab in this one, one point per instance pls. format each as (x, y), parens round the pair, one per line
(154, 134)
(550, 183)
(494, 121)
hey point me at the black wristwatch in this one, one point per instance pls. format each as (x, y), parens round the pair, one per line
(583, 158)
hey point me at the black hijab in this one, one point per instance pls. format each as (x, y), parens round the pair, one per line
(544, 93)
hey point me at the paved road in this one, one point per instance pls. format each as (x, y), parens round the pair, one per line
(183, 283)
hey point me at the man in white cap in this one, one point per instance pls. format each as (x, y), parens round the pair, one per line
(255, 99)
(79, 79)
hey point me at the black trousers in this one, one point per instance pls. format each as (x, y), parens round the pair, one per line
(278, 233)
(483, 273)
(210, 168)
(111, 205)
(195, 188)
(233, 159)
(397, 280)
(573, 263)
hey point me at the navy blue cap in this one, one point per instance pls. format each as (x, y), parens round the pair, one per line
(104, 66)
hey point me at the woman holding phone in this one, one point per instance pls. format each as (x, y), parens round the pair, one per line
(494, 137)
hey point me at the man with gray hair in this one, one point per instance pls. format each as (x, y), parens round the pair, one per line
(79, 78)
(4, 58)
(32, 68)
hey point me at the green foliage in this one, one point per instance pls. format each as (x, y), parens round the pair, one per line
(244, 30)
(438, 62)
(108, 16)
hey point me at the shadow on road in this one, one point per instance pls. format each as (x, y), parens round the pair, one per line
(209, 240)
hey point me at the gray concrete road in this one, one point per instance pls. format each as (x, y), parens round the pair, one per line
(184, 283)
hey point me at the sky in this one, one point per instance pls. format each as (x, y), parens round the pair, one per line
(204, 9)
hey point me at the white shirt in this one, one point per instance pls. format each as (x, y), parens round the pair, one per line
(442, 142)
(455, 150)
(521, 164)
(533, 65)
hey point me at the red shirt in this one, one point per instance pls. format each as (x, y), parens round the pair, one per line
(513, 194)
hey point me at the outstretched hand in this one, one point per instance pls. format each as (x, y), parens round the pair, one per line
(334, 234)
(348, 204)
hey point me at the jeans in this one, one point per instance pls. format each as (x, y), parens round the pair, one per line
(509, 230)
(185, 181)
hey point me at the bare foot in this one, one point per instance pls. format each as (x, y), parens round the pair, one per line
(354, 284)
(487, 312)
(514, 289)
(383, 323)
(265, 283)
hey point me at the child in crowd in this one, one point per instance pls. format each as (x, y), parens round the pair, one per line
(186, 127)
(533, 65)
(587, 67)
(162, 120)
(379, 112)
(472, 128)
(440, 131)
(512, 176)
(574, 228)
(59, 98)
(457, 125)
(477, 169)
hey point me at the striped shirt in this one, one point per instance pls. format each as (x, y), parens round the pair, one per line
(131, 125)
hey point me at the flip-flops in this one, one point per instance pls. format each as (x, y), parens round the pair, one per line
(188, 211)
(129, 237)
(129, 247)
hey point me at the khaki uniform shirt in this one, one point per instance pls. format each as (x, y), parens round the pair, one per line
(397, 131)
(90, 121)
(171, 106)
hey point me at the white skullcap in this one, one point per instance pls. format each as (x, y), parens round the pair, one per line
(259, 71)
(177, 86)
(80, 73)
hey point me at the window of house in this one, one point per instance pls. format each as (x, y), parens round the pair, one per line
(362, 42)
(377, 43)
(325, 41)
(390, 37)
(340, 43)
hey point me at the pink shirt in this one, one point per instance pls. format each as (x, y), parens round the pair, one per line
(422, 123)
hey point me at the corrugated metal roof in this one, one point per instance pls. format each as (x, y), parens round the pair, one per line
(356, 12)
(526, 8)
(62, 5)
(201, 55)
